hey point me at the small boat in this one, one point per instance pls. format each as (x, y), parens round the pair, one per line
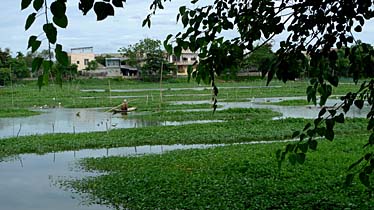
(130, 109)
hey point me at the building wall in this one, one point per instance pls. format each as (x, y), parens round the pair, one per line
(81, 59)
(186, 59)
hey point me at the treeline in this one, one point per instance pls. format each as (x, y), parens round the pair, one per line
(20, 66)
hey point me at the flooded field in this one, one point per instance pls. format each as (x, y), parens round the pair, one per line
(61, 120)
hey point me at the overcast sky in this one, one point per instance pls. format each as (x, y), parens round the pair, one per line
(105, 36)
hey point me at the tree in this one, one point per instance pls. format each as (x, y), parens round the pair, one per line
(5, 75)
(313, 27)
(92, 65)
(17, 66)
(147, 56)
(256, 58)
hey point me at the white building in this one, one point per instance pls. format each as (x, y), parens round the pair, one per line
(186, 59)
(81, 57)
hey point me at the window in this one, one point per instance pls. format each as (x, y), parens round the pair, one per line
(86, 61)
(193, 59)
(77, 62)
(184, 59)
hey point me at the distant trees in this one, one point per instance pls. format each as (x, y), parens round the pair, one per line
(148, 56)
(12, 68)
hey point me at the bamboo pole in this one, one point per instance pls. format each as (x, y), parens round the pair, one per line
(162, 66)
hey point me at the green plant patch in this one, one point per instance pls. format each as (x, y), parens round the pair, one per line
(17, 113)
(291, 103)
(227, 114)
(230, 177)
(236, 131)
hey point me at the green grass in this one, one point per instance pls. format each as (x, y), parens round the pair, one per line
(27, 94)
(291, 103)
(17, 113)
(230, 177)
(227, 114)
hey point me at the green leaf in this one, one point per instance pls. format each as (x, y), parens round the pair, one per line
(61, 56)
(295, 134)
(30, 20)
(358, 28)
(313, 144)
(334, 80)
(189, 72)
(103, 10)
(359, 103)
(303, 147)
(177, 51)
(307, 126)
(25, 4)
(364, 178)
(61, 22)
(36, 63)
(339, 118)
(40, 81)
(300, 157)
(349, 180)
(329, 134)
(51, 32)
(182, 10)
(292, 158)
(38, 4)
(85, 5)
(47, 65)
(34, 44)
(355, 164)
(371, 124)
(58, 9)
(117, 3)
(371, 139)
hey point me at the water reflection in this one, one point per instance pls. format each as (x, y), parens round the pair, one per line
(74, 121)
(308, 112)
(90, 120)
(29, 181)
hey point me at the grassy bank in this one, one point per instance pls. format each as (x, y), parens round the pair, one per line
(7, 112)
(230, 177)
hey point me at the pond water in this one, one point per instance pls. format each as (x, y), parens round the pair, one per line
(30, 181)
(308, 112)
(27, 181)
(63, 120)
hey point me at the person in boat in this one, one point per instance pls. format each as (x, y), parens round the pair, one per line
(125, 105)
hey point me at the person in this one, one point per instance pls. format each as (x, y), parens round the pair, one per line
(124, 105)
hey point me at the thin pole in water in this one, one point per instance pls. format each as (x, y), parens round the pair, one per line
(110, 93)
(162, 67)
(20, 126)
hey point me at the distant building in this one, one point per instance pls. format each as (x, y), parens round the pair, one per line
(114, 64)
(81, 57)
(186, 59)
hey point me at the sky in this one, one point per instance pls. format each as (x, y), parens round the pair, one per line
(105, 36)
